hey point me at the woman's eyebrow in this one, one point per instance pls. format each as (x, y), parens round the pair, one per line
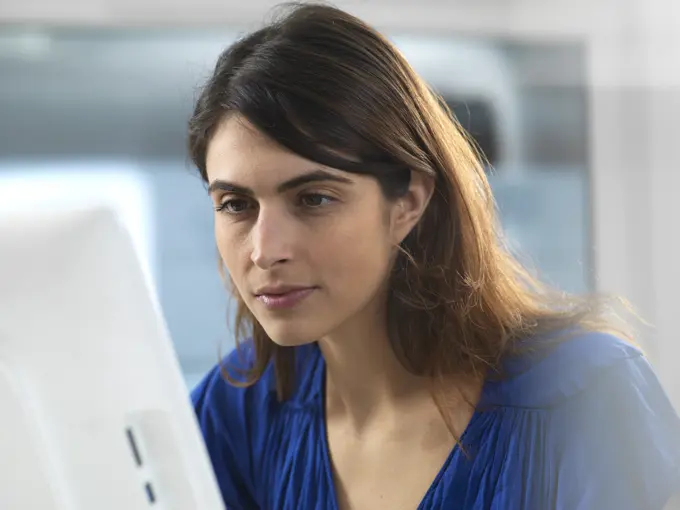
(313, 176)
(295, 182)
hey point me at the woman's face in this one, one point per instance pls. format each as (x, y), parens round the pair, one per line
(307, 247)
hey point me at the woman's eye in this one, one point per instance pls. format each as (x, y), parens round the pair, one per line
(233, 206)
(315, 200)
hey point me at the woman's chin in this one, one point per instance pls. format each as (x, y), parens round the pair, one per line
(290, 335)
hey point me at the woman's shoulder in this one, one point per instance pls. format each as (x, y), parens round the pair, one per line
(593, 414)
(233, 398)
(237, 421)
(543, 372)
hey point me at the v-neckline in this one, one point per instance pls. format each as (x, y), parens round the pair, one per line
(326, 452)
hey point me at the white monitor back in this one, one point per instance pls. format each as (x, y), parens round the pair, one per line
(94, 412)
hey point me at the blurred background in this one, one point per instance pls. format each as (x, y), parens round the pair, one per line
(571, 102)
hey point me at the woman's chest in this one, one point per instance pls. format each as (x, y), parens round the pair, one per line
(392, 468)
(300, 469)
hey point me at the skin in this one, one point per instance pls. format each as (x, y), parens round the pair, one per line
(282, 220)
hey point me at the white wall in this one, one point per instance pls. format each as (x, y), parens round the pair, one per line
(635, 96)
(533, 18)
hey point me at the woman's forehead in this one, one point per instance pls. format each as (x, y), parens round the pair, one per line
(239, 150)
(240, 155)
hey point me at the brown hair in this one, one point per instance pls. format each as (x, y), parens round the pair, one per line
(326, 86)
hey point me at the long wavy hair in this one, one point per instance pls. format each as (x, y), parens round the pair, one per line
(328, 87)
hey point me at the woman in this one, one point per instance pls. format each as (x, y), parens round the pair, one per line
(398, 356)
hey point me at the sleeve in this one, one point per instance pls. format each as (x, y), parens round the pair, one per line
(620, 442)
(221, 412)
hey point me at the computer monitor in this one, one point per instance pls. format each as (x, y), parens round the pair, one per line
(94, 412)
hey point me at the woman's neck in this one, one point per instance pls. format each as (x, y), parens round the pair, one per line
(364, 379)
(367, 386)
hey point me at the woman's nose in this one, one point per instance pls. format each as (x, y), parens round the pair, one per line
(272, 239)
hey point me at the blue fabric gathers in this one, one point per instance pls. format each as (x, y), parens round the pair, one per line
(584, 425)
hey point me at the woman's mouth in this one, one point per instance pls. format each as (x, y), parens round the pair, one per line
(283, 298)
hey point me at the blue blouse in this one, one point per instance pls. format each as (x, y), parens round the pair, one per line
(583, 425)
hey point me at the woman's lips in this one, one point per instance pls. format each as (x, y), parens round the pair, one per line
(283, 300)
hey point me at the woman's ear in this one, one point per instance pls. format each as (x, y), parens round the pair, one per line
(409, 208)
